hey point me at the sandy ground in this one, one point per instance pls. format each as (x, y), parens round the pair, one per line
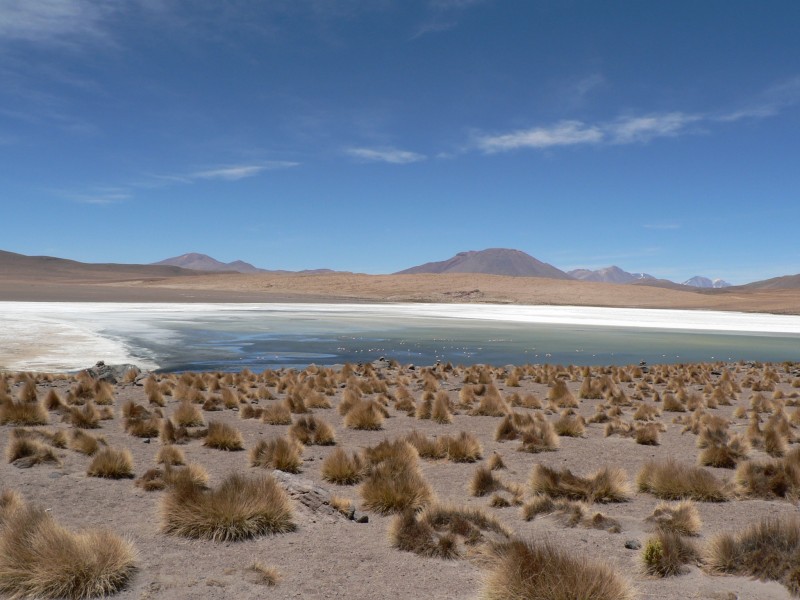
(348, 287)
(329, 557)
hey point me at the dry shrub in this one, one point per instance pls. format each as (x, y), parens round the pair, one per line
(159, 479)
(295, 403)
(13, 412)
(670, 480)
(87, 444)
(52, 401)
(725, 455)
(425, 446)
(462, 448)
(103, 393)
(559, 396)
(682, 518)
(570, 425)
(440, 411)
(41, 559)
(609, 484)
(341, 468)
(666, 553)
(445, 531)
(646, 412)
(538, 436)
(240, 508)
(495, 462)
(277, 414)
(491, 405)
(772, 479)
(223, 437)
(281, 453)
(264, 575)
(111, 463)
(519, 569)
(28, 452)
(498, 501)
(775, 442)
(393, 481)
(55, 438)
(673, 404)
(365, 415)
(767, 550)
(188, 415)
(84, 417)
(312, 431)
(647, 434)
(569, 513)
(484, 482)
(170, 455)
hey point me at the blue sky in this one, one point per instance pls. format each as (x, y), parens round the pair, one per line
(373, 135)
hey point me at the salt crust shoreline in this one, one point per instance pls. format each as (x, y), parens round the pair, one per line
(62, 336)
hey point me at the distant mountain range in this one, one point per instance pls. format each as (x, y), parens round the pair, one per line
(493, 261)
(705, 282)
(612, 274)
(203, 262)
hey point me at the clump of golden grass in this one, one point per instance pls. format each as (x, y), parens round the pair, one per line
(672, 403)
(672, 481)
(569, 512)
(492, 404)
(342, 468)
(29, 452)
(646, 412)
(609, 484)
(484, 482)
(312, 431)
(111, 463)
(440, 412)
(41, 559)
(726, 454)
(559, 396)
(426, 447)
(170, 455)
(17, 412)
(570, 425)
(264, 575)
(647, 434)
(223, 437)
(55, 438)
(682, 518)
(772, 479)
(240, 508)
(84, 417)
(495, 462)
(444, 531)
(52, 401)
(535, 432)
(393, 482)
(281, 453)
(103, 393)
(464, 447)
(666, 553)
(767, 550)
(277, 414)
(365, 415)
(159, 479)
(519, 569)
(187, 414)
(87, 444)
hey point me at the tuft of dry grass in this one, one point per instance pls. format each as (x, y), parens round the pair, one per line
(111, 463)
(682, 518)
(666, 553)
(445, 531)
(440, 411)
(767, 550)
(647, 434)
(84, 417)
(240, 508)
(393, 481)
(539, 436)
(281, 453)
(520, 569)
(771, 479)
(609, 484)
(41, 559)
(569, 512)
(462, 448)
(264, 575)
(29, 452)
(223, 437)
(187, 414)
(170, 455)
(570, 425)
(342, 468)
(495, 462)
(277, 414)
(670, 480)
(14, 412)
(365, 415)
(87, 444)
(309, 430)
(484, 482)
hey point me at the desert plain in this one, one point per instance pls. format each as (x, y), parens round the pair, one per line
(481, 459)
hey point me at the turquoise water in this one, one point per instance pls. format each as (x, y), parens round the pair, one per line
(263, 341)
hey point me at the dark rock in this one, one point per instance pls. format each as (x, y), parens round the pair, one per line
(110, 373)
(633, 544)
(362, 519)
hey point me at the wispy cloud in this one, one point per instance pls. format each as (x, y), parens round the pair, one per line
(443, 15)
(563, 133)
(387, 155)
(100, 196)
(53, 22)
(624, 130)
(236, 172)
(769, 103)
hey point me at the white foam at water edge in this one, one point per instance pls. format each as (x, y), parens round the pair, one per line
(73, 335)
